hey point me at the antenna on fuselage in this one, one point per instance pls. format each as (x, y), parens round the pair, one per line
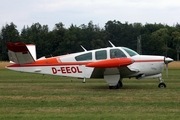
(83, 48)
(112, 44)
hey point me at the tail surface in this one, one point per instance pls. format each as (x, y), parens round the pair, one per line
(19, 53)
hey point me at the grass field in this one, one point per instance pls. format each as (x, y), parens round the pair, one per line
(36, 97)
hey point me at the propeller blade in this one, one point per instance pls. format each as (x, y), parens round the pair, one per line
(167, 61)
(166, 70)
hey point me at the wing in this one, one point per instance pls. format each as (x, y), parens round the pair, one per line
(119, 63)
(19, 53)
(111, 63)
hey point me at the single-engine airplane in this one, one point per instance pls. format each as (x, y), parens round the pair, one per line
(111, 63)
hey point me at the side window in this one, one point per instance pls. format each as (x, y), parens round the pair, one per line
(99, 55)
(116, 53)
(84, 57)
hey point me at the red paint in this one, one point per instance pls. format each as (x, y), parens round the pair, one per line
(78, 70)
(45, 62)
(63, 70)
(73, 69)
(54, 71)
(25, 52)
(116, 62)
(66, 70)
(148, 60)
(17, 47)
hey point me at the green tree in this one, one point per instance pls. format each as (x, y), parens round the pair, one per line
(61, 40)
(37, 34)
(9, 33)
(58, 43)
(158, 42)
(97, 43)
(123, 34)
(176, 43)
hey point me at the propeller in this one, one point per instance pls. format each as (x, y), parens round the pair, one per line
(167, 60)
(166, 63)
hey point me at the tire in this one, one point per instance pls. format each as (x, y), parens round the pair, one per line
(162, 85)
(120, 84)
(114, 87)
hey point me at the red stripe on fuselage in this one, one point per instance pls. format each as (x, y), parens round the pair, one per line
(56, 64)
(148, 60)
(70, 63)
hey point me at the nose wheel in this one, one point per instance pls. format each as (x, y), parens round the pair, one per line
(161, 84)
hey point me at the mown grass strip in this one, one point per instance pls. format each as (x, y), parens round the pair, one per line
(36, 97)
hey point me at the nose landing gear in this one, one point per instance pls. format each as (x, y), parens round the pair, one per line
(161, 84)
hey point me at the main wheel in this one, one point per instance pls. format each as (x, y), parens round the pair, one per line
(120, 84)
(110, 87)
(162, 85)
(113, 87)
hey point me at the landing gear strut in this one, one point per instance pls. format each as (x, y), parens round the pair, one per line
(84, 80)
(161, 84)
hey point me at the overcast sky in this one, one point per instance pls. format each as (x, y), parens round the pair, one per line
(77, 12)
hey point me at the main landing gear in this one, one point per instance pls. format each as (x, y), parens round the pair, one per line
(161, 84)
(119, 85)
(114, 80)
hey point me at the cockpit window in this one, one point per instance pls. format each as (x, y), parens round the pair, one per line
(84, 57)
(130, 52)
(116, 53)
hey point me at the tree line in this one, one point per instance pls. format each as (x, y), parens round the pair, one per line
(156, 39)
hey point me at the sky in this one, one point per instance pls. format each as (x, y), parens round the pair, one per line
(78, 12)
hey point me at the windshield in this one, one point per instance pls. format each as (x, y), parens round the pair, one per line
(130, 52)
